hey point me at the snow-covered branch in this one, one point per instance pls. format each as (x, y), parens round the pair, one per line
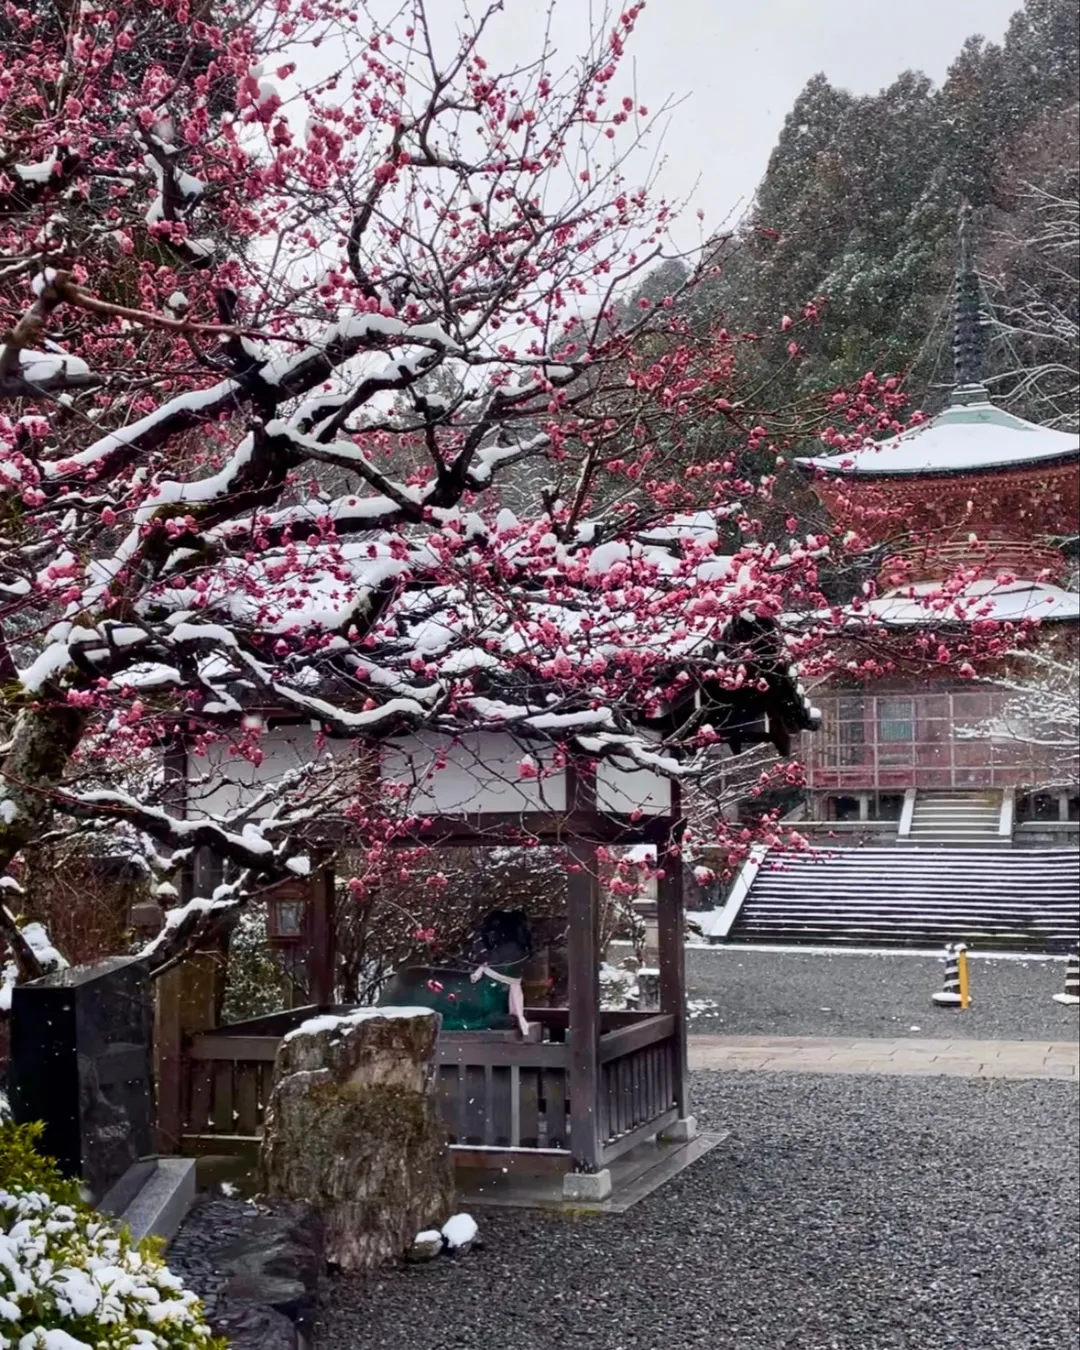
(1040, 713)
(267, 393)
(1035, 313)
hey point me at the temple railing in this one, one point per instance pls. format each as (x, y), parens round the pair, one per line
(497, 1093)
(937, 557)
(950, 739)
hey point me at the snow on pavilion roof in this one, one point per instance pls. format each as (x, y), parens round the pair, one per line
(987, 601)
(968, 438)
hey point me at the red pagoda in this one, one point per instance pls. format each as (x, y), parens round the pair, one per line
(976, 493)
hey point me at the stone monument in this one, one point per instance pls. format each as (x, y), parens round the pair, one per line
(80, 1062)
(352, 1129)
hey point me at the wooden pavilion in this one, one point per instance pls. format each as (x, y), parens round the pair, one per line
(585, 1086)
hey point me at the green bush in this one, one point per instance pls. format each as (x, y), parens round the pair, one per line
(255, 982)
(23, 1168)
(69, 1280)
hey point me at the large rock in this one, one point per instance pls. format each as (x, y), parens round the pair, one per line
(352, 1129)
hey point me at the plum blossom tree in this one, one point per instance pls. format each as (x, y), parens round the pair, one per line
(275, 339)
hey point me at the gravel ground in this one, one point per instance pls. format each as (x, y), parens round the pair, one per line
(771, 993)
(865, 1213)
(214, 1222)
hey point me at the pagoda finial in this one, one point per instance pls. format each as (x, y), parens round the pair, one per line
(967, 319)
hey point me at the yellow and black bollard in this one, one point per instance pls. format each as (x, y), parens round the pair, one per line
(955, 993)
(962, 973)
(1071, 996)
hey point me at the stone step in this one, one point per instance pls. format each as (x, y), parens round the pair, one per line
(958, 818)
(974, 887)
(153, 1196)
(976, 833)
(957, 813)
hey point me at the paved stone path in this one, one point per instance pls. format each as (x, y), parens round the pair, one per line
(924, 1058)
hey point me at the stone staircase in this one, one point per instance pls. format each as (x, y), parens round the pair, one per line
(1006, 899)
(958, 820)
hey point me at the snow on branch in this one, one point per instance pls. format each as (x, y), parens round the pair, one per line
(1038, 712)
(304, 374)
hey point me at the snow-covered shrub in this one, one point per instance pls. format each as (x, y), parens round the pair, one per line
(617, 987)
(69, 1280)
(23, 1168)
(256, 983)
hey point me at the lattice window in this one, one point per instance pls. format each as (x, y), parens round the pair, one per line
(850, 731)
(896, 720)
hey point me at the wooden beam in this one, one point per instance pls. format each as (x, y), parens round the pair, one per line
(275, 1024)
(261, 1049)
(504, 1054)
(670, 919)
(529, 1161)
(584, 999)
(186, 1001)
(495, 829)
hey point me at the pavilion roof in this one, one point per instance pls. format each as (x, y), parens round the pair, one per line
(986, 600)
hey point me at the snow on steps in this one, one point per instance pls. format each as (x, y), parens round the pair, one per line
(1016, 899)
(956, 819)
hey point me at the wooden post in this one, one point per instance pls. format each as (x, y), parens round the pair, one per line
(187, 1000)
(584, 1002)
(321, 951)
(671, 935)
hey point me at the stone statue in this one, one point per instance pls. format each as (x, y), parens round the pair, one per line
(482, 993)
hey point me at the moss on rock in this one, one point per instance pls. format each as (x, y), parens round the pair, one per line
(352, 1128)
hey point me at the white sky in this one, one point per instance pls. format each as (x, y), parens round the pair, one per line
(739, 65)
(736, 65)
(743, 62)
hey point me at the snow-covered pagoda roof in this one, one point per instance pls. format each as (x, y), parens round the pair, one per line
(986, 600)
(968, 437)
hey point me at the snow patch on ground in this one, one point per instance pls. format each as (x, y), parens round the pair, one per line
(459, 1231)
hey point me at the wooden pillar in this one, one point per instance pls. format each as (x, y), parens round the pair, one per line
(583, 943)
(187, 1000)
(670, 922)
(321, 945)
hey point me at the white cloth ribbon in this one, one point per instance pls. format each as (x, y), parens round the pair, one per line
(517, 996)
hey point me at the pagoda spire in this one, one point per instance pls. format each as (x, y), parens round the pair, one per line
(968, 342)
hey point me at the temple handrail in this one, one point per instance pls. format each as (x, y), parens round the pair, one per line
(626, 1040)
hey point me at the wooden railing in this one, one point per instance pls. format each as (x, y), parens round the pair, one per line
(227, 1075)
(503, 1093)
(496, 1092)
(923, 558)
(637, 1083)
(893, 741)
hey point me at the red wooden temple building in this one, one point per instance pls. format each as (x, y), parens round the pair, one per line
(922, 789)
(978, 494)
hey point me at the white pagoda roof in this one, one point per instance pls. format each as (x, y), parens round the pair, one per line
(986, 600)
(967, 437)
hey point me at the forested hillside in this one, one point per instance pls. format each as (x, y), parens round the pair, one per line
(859, 206)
